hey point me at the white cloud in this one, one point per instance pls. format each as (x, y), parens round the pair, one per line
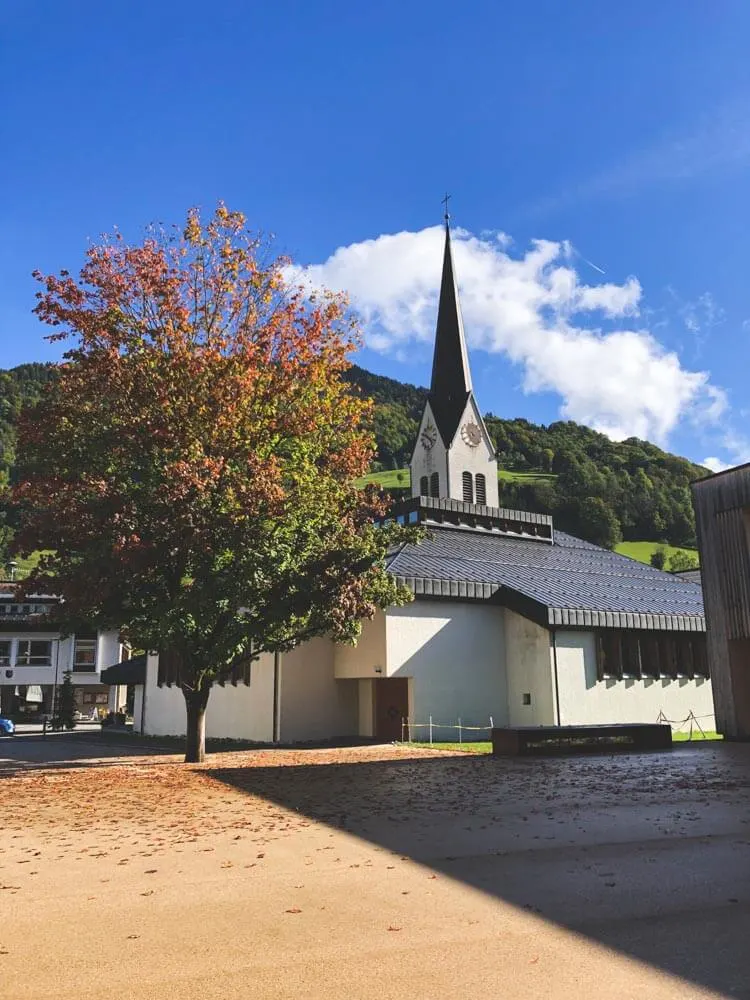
(715, 464)
(534, 309)
(737, 447)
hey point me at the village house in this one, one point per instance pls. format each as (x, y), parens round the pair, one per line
(513, 622)
(35, 656)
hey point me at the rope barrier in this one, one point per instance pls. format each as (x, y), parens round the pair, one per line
(691, 717)
(408, 727)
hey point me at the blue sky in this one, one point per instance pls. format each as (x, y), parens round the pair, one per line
(619, 135)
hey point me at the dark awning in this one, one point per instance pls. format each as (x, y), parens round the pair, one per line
(128, 672)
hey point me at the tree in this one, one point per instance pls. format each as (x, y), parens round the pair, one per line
(682, 561)
(659, 557)
(193, 464)
(599, 522)
(65, 710)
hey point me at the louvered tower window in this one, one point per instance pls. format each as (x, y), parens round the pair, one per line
(480, 487)
(424, 486)
(468, 487)
(434, 485)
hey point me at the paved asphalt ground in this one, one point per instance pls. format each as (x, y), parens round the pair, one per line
(373, 872)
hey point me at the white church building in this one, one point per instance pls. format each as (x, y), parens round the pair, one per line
(512, 622)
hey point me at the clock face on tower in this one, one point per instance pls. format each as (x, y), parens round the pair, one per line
(471, 434)
(428, 437)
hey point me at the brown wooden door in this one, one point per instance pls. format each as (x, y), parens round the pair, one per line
(391, 706)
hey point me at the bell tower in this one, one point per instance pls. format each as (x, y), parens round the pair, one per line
(453, 456)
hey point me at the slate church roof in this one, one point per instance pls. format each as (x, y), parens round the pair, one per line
(558, 581)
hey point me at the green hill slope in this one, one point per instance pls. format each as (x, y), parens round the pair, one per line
(601, 490)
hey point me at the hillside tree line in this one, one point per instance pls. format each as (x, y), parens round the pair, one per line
(601, 490)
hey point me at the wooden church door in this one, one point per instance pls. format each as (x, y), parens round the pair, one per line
(391, 706)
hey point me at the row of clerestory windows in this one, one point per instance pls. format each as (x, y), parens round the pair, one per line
(625, 653)
(474, 488)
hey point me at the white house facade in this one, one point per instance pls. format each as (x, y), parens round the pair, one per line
(35, 656)
(512, 623)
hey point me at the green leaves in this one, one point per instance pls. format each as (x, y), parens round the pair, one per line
(193, 465)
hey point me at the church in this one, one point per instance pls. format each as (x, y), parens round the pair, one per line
(513, 622)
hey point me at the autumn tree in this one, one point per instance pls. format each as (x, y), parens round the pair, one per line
(192, 467)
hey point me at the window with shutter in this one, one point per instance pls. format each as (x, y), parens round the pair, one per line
(468, 488)
(434, 485)
(480, 488)
(424, 486)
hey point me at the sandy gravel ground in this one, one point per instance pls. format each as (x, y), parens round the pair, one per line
(373, 873)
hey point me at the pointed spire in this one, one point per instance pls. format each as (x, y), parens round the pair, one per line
(451, 377)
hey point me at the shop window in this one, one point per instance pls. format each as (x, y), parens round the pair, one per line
(5, 653)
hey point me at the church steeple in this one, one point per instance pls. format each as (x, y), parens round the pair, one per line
(450, 385)
(453, 455)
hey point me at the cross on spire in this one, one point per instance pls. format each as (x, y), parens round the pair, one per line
(446, 216)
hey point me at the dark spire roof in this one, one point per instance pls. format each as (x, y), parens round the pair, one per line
(451, 379)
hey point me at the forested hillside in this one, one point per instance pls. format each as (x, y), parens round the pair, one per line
(17, 386)
(601, 490)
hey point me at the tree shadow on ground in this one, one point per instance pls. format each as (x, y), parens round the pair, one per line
(62, 751)
(645, 854)
(93, 749)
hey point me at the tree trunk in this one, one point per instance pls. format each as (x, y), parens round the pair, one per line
(195, 732)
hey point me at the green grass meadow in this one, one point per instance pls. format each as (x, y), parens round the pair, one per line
(642, 551)
(390, 478)
(484, 746)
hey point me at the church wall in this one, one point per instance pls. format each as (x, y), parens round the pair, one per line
(454, 655)
(368, 657)
(584, 699)
(244, 712)
(463, 458)
(527, 654)
(314, 705)
(366, 695)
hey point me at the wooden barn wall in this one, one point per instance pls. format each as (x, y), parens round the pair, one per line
(721, 509)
